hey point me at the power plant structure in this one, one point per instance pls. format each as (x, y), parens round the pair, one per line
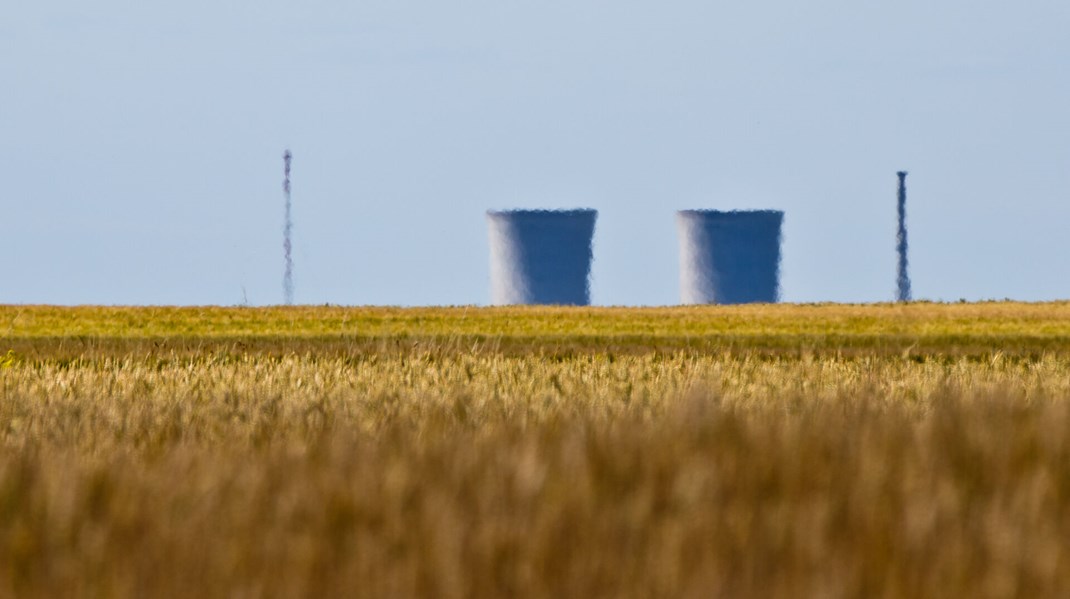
(545, 256)
(287, 233)
(902, 279)
(729, 257)
(541, 256)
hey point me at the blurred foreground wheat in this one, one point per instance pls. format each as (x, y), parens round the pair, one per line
(442, 474)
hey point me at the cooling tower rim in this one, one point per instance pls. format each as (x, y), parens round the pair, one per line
(729, 218)
(705, 212)
(543, 212)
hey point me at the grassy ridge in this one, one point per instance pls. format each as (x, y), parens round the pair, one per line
(949, 329)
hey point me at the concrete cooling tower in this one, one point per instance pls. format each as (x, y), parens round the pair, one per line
(541, 256)
(729, 257)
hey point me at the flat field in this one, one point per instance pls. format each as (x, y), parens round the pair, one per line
(916, 450)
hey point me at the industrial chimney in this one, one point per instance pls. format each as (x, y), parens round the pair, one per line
(729, 257)
(902, 278)
(541, 256)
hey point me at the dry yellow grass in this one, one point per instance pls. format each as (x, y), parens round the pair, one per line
(888, 329)
(431, 470)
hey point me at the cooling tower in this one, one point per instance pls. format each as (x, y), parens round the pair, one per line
(729, 257)
(541, 256)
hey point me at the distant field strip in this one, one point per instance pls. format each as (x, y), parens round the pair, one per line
(919, 328)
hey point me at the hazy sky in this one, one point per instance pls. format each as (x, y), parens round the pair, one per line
(141, 143)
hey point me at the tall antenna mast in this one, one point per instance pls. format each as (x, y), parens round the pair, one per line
(902, 277)
(287, 231)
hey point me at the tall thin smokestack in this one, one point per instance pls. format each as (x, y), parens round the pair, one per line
(287, 230)
(902, 277)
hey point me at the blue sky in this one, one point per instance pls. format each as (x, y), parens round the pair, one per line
(141, 143)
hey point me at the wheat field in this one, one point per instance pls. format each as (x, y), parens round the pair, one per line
(774, 451)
